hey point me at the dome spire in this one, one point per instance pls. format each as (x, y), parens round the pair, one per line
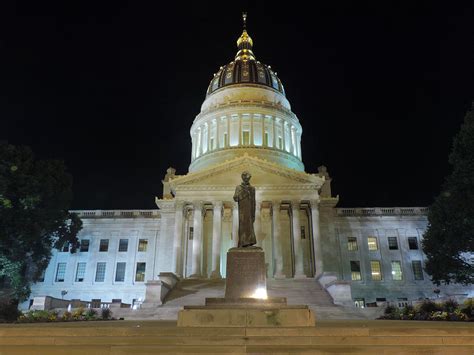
(244, 43)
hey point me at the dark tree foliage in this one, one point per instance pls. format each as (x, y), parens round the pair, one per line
(35, 196)
(449, 240)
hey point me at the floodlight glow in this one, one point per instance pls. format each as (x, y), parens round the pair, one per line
(261, 293)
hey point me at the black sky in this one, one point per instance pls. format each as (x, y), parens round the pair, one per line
(112, 88)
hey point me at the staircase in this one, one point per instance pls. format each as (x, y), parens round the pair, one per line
(151, 337)
(309, 292)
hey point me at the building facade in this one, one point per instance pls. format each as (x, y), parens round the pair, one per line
(246, 124)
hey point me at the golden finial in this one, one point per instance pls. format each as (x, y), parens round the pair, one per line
(244, 43)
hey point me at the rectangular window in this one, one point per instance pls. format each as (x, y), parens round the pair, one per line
(104, 245)
(265, 139)
(60, 272)
(359, 302)
(212, 143)
(100, 272)
(412, 243)
(84, 245)
(140, 273)
(376, 270)
(191, 233)
(355, 271)
(225, 140)
(417, 269)
(372, 243)
(280, 143)
(245, 137)
(392, 243)
(120, 272)
(396, 270)
(123, 245)
(80, 272)
(303, 233)
(142, 244)
(352, 244)
(65, 248)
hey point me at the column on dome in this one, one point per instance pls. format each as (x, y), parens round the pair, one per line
(316, 234)
(216, 240)
(251, 120)
(209, 125)
(263, 130)
(227, 141)
(240, 130)
(218, 123)
(290, 136)
(297, 242)
(283, 134)
(200, 138)
(197, 240)
(277, 240)
(298, 137)
(177, 238)
(273, 118)
(235, 225)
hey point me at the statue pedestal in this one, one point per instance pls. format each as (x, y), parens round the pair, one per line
(246, 274)
(246, 303)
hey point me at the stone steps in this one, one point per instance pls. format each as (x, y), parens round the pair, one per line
(149, 337)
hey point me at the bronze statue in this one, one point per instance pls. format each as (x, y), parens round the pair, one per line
(245, 197)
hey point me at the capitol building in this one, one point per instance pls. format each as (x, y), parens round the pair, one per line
(358, 255)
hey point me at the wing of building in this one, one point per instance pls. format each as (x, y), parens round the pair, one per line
(359, 255)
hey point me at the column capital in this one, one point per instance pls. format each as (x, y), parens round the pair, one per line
(198, 204)
(179, 204)
(217, 204)
(296, 202)
(314, 202)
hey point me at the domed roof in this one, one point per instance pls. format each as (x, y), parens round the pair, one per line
(245, 69)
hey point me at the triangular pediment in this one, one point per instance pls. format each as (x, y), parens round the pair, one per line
(228, 174)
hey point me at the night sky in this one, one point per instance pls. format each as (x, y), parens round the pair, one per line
(113, 88)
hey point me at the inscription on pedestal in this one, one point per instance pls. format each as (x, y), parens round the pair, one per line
(245, 273)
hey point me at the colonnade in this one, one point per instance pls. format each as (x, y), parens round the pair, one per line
(246, 130)
(294, 210)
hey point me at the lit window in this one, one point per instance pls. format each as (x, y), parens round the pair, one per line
(417, 269)
(376, 270)
(140, 274)
(225, 140)
(80, 272)
(120, 272)
(123, 245)
(355, 270)
(265, 139)
(280, 143)
(396, 270)
(104, 245)
(60, 272)
(84, 245)
(372, 243)
(245, 137)
(412, 243)
(392, 243)
(359, 302)
(352, 244)
(142, 244)
(100, 272)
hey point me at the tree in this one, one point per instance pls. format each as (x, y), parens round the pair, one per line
(449, 240)
(35, 196)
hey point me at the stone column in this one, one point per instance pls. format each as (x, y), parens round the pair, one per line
(200, 150)
(297, 242)
(177, 238)
(263, 131)
(283, 135)
(251, 130)
(276, 241)
(227, 142)
(274, 132)
(257, 225)
(197, 240)
(217, 132)
(240, 129)
(318, 255)
(209, 124)
(235, 225)
(290, 131)
(216, 240)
